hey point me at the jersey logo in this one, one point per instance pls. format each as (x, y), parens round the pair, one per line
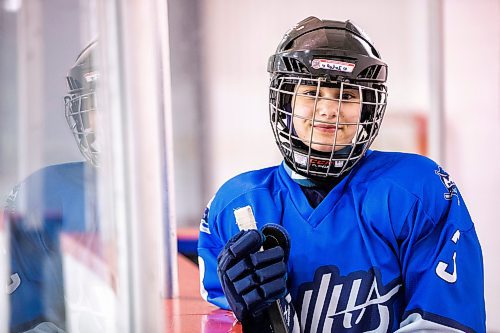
(10, 202)
(358, 302)
(450, 185)
(204, 227)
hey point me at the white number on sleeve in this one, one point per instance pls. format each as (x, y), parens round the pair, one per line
(442, 266)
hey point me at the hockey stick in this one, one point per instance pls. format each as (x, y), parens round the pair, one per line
(246, 221)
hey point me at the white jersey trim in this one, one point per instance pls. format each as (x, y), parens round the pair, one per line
(203, 291)
(415, 323)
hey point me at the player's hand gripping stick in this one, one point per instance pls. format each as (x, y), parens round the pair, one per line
(252, 269)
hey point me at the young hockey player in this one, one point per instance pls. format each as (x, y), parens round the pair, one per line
(349, 239)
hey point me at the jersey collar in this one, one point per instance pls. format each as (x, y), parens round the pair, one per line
(298, 178)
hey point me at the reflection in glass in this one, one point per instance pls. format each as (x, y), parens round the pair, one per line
(61, 279)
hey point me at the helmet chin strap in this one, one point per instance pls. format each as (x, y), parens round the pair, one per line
(311, 182)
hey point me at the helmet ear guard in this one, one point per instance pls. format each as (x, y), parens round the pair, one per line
(326, 54)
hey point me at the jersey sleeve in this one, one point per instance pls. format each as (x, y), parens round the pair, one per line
(209, 247)
(441, 263)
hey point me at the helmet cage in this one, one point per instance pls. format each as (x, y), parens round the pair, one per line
(341, 157)
(80, 114)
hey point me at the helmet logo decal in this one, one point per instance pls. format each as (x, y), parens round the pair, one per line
(339, 164)
(92, 76)
(333, 65)
(301, 159)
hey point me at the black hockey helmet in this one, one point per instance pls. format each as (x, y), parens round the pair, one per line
(324, 53)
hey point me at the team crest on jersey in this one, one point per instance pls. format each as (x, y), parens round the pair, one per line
(204, 227)
(10, 202)
(452, 189)
(358, 302)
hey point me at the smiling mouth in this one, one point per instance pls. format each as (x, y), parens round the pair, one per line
(325, 128)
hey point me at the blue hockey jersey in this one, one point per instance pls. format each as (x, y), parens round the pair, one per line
(391, 248)
(54, 200)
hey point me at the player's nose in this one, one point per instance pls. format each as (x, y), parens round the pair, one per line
(327, 108)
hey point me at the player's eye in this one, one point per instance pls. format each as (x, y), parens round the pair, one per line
(347, 96)
(311, 93)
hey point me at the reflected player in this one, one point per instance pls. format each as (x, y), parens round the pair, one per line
(58, 199)
(375, 241)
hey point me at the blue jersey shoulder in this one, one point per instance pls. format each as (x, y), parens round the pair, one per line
(52, 184)
(405, 169)
(64, 192)
(73, 169)
(416, 174)
(411, 175)
(242, 184)
(255, 188)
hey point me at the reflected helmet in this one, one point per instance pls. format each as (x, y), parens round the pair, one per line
(81, 104)
(317, 55)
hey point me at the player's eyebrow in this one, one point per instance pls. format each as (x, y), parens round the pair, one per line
(351, 90)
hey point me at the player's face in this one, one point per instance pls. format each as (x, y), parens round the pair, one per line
(322, 117)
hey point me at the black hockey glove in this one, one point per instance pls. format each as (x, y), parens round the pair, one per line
(253, 279)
